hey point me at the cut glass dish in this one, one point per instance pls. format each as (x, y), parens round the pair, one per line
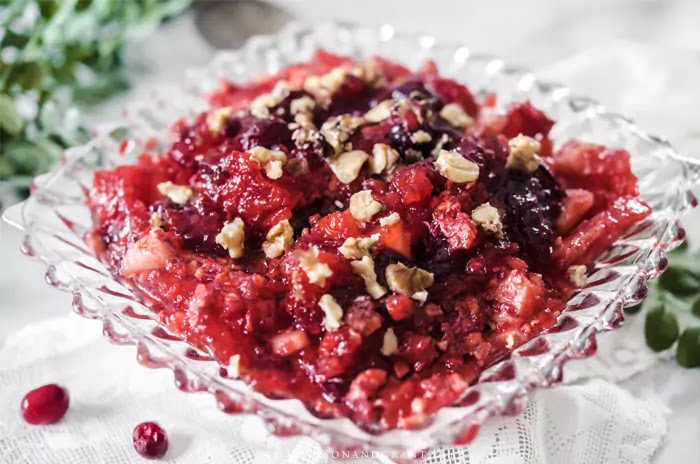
(54, 220)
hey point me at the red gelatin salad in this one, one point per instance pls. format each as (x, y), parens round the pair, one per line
(361, 237)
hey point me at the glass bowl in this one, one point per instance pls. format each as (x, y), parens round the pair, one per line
(54, 220)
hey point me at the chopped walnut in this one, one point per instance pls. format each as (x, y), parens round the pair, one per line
(456, 168)
(232, 237)
(316, 271)
(260, 106)
(370, 73)
(523, 154)
(304, 135)
(409, 281)
(216, 119)
(379, 112)
(332, 311)
(577, 274)
(347, 166)
(271, 160)
(338, 129)
(179, 194)
(421, 136)
(325, 85)
(302, 121)
(420, 297)
(365, 269)
(384, 158)
(455, 116)
(356, 248)
(363, 206)
(278, 238)
(390, 220)
(390, 343)
(302, 105)
(155, 220)
(487, 217)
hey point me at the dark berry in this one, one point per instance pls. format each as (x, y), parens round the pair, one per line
(45, 405)
(150, 440)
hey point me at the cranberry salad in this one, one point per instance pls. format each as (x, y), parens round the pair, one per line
(361, 237)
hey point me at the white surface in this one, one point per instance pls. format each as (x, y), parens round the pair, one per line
(522, 33)
(593, 421)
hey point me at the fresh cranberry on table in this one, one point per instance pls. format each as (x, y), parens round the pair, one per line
(45, 405)
(150, 440)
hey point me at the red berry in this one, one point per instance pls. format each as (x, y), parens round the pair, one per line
(150, 440)
(45, 405)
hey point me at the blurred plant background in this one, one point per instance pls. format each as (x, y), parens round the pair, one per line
(55, 56)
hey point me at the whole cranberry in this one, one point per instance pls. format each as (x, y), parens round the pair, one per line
(150, 440)
(45, 405)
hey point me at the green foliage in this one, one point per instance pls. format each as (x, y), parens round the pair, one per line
(661, 328)
(675, 293)
(688, 351)
(55, 54)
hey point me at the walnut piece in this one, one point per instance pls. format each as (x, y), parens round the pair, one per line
(383, 158)
(363, 206)
(325, 85)
(487, 217)
(389, 220)
(380, 111)
(370, 73)
(278, 238)
(216, 119)
(332, 311)
(390, 344)
(456, 168)
(179, 194)
(409, 281)
(232, 237)
(271, 160)
(316, 271)
(302, 105)
(347, 166)
(455, 116)
(261, 105)
(356, 248)
(338, 129)
(523, 154)
(577, 274)
(365, 269)
(421, 136)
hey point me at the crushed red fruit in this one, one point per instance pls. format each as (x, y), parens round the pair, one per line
(360, 237)
(45, 405)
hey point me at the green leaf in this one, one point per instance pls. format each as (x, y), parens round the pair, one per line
(695, 308)
(31, 158)
(688, 351)
(10, 120)
(633, 309)
(48, 8)
(28, 74)
(660, 328)
(680, 281)
(681, 248)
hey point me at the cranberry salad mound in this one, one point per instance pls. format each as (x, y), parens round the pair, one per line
(361, 236)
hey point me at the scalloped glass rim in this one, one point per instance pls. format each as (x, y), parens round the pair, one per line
(54, 220)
